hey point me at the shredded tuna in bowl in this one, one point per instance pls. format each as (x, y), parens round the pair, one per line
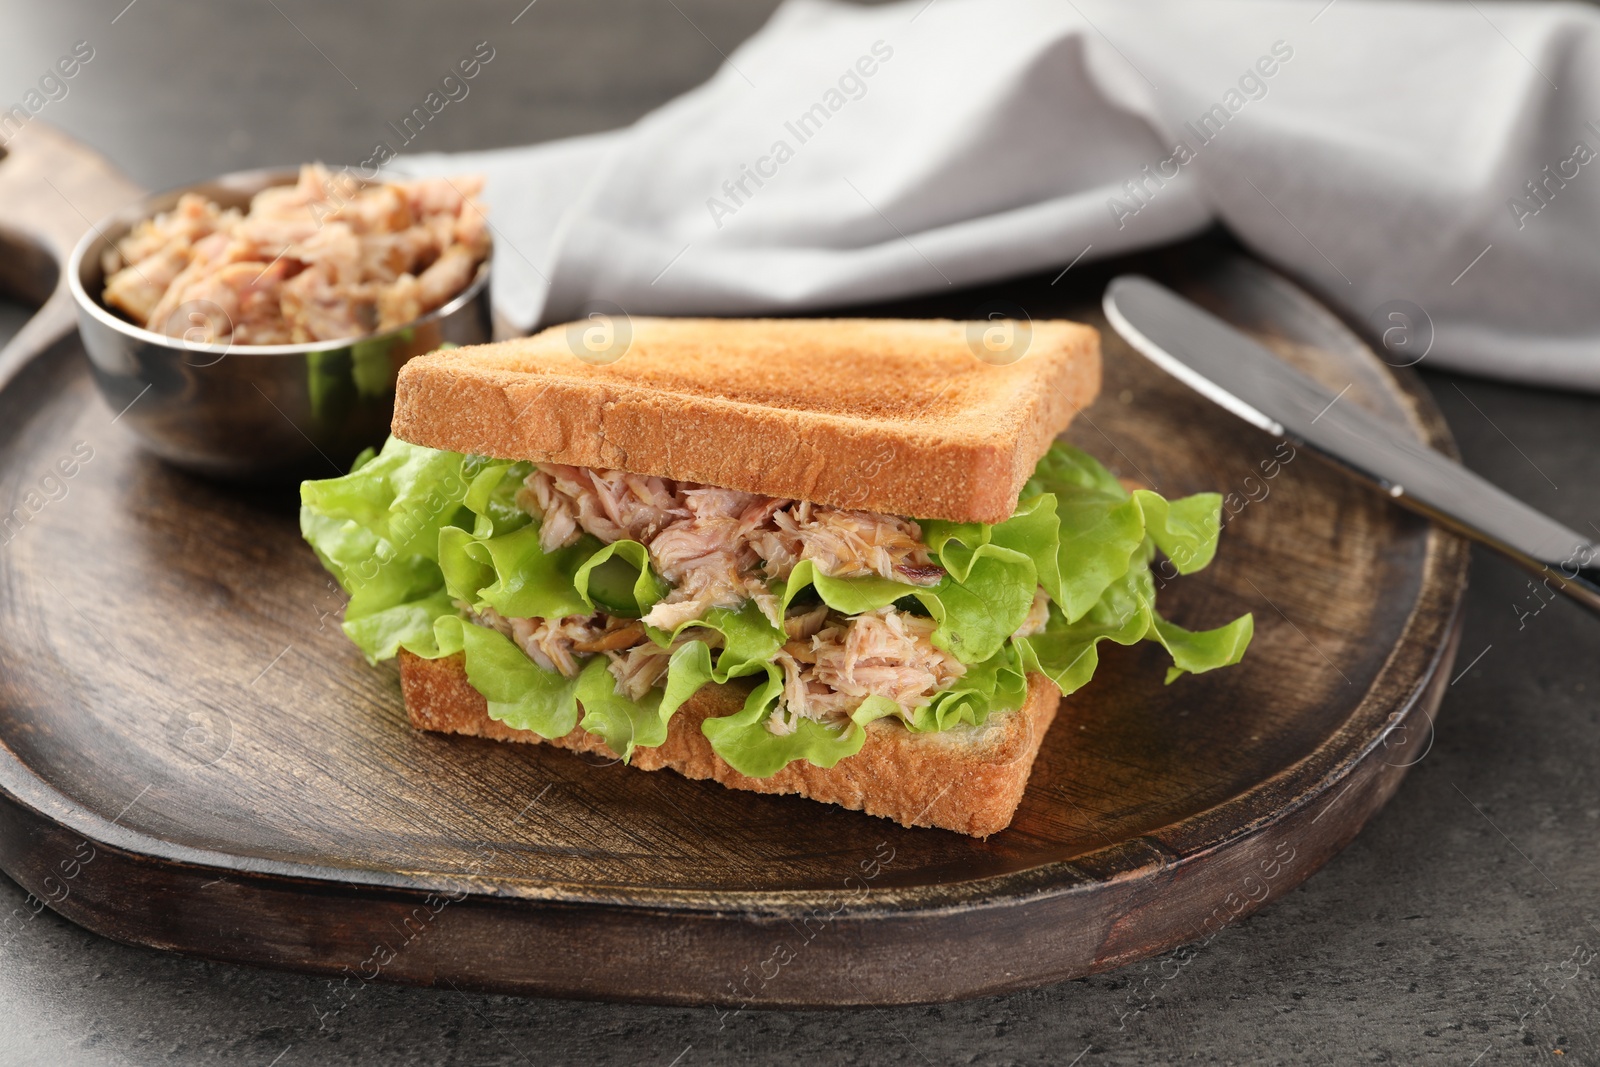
(328, 258)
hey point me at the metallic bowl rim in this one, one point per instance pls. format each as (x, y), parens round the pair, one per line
(141, 209)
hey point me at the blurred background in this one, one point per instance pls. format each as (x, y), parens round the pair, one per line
(180, 91)
(1436, 938)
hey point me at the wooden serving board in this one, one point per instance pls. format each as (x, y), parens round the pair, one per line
(193, 757)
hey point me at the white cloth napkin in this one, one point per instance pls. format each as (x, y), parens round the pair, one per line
(1431, 168)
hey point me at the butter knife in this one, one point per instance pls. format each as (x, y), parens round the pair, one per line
(1240, 374)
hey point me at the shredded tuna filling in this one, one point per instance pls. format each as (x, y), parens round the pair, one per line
(324, 259)
(556, 644)
(637, 663)
(831, 663)
(720, 547)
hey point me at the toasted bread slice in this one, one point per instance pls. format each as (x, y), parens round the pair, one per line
(966, 779)
(921, 418)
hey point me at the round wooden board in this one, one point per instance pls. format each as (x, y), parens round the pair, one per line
(193, 757)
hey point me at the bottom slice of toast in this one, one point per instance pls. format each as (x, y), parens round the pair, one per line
(968, 779)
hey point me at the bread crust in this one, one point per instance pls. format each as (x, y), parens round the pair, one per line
(968, 779)
(895, 416)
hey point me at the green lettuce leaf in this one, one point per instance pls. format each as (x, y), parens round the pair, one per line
(749, 640)
(1100, 529)
(377, 531)
(991, 573)
(1066, 651)
(521, 694)
(998, 684)
(1185, 530)
(1063, 468)
(744, 741)
(402, 497)
(1198, 651)
(982, 599)
(619, 580)
(623, 724)
(748, 643)
(465, 564)
(491, 495)
(398, 611)
(851, 596)
(531, 583)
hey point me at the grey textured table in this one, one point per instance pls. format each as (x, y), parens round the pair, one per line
(1458, 929)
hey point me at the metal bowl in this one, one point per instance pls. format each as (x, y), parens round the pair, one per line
(252, 412)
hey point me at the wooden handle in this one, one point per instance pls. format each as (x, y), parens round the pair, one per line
(52, 189)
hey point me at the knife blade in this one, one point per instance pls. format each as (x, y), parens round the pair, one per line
(1244, 377)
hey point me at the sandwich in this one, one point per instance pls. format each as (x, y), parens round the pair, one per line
(846, 559)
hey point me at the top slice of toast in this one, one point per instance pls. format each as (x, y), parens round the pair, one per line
(927, 418)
